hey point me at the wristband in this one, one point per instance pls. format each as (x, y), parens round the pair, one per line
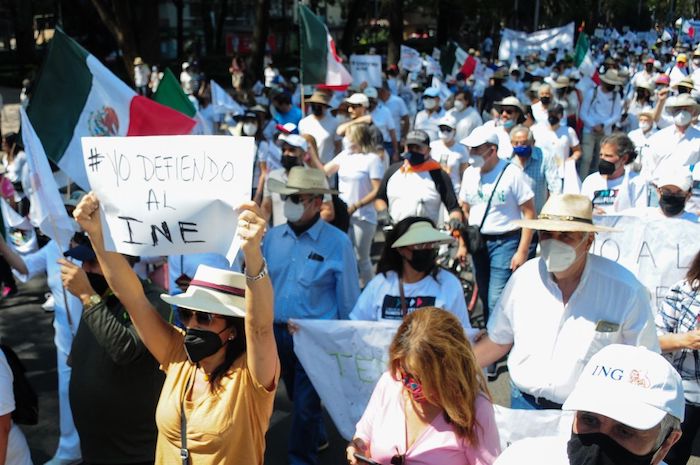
(258, 276)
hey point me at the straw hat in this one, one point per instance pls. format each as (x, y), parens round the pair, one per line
(421, 232)
(509, 102)
(685, 82)
(682, 100)
(138, 61)
(565, 212)
(611, 77)
(213, 291)
(561, 82)
(302, 180)
(320, 98)
(646, 84)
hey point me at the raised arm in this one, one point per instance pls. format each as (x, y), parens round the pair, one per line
(154, 331)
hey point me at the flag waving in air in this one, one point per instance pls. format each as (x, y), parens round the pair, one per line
(320, 63)
(583, 59)
(77, 96)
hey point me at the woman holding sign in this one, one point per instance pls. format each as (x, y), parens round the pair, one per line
(432, 405)
(222, 372)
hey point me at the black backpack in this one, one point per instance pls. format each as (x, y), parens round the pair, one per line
(26, 402)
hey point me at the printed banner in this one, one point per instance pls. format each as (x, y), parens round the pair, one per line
(366, 68)
(657, 251)
(521, 43)
(410, 59)
(170, 195)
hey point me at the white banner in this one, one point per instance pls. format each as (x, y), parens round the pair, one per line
(521, 43)
(344, 360)
(170, 195)
(657, 251)
(432, 67)
(366, 68)
(410, 59)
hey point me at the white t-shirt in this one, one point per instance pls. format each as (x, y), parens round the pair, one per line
(382, 119)
(555, 143)
(381, 299)
(413, 194)
(513, 191)
(355, 174)
(323, 130)
(467, 120)
(428, 122)
(17, 449)
(614, 195)
(450, 158)
(398, 109)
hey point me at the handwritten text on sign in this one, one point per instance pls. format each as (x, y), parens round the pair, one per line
(657, 251)
(366, 68)
(170, 195)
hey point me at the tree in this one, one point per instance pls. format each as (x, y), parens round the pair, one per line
(260, 33)
(21, 11)
(394, 11)
(355, 9)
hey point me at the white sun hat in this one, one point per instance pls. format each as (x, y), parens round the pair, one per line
(213, 290)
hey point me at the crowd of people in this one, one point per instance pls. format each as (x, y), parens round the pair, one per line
(509, 166)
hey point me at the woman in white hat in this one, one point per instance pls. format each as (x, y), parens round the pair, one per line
(221, 373)
(409, 278)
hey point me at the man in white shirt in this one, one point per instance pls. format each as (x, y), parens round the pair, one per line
(465, 113)
(562, 307)
(679, 70)
(557, 140)
(427, 119)
(321, 124)
(673, 189)
(540, 110)
(384, 121)
(641, 137)
(398, 109)
(600, 111)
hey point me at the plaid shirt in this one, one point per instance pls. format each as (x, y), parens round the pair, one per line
(677, 314)
(543, 175)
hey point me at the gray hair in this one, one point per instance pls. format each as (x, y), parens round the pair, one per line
(544, 87)
(623, 145)
(668, 424)
(521, 128)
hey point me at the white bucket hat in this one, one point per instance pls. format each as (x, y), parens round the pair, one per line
(213, 291)
(565, 212)
(302, 180)
(629, 384)
(421, 232)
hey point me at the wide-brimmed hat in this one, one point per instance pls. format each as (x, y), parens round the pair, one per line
(509, 102)
(646, 84)
(320, 98)
(138, 61)
(213, 290)
(685, 82)
(565, 212)
(421, 232)
(561, 82)
(682, 100)
(631, 385)
(611, 77)
(302, 180)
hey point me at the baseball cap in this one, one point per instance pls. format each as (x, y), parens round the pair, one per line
(447, 120)
(371, 92)
(682, 57)
(358, 99)
(431, 92)
(629, 384)
(480, 136)
(679, 177)
(295, 140)
(417, 137)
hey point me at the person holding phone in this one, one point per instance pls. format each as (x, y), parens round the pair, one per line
(432, 405)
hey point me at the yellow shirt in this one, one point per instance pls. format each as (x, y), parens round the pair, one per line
(226, 427)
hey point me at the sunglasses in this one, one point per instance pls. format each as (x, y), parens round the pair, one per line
(355, 105)
(508, 111)
(202, 318)
(295, 198)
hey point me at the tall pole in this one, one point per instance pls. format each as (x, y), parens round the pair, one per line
(536, 21)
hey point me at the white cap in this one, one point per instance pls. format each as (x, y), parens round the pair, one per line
(632, 385)
(295, 140)
(678, 176)
(448, 120)
(371, 92)
(480, 136)
(358, 99)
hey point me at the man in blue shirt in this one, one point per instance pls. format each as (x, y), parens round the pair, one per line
(314, 274)
(283, 111)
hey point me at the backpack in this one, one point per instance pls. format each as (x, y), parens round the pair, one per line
(26, 401)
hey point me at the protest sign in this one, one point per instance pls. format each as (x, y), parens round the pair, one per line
(521, 43)
(366, 68)
(345, 359)
(170, 195)
(410, 59)
(657, 251)
(432, 67)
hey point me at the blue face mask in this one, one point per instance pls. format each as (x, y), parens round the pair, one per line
(522, 150)
(414, 158)
(508, 124)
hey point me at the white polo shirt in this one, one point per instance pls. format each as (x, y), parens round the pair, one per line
(552, 342)
(668, 149)
(556, 143)
(323, 131)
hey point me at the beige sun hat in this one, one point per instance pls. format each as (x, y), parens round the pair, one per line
(561, 82)
(682, 100)
(421, 232)
(302, 180)
(213, 290)
(611, 77)
(319, 98)
(138, 61)
(509, 102)
(565, 212)
(685, 82)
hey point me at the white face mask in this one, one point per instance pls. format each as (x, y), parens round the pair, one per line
(644, 126)
(250, 129)
(682, 118)
(696, 61)
(476, 161)
(293, 211)
(557, 255)
(429, 103)
(460, 105)
(447, 136)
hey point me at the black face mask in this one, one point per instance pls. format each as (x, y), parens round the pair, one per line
(200, 343)
(317, 110)
(546, 100)
(609, 87)
(553, 120)
(606, 167)
(649, 68)
(414, 158)
(671, 204)
(423, 260)
(98, 283)
(289, 162)
(601, 449)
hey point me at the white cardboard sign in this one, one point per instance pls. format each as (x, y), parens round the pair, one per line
(366, 68)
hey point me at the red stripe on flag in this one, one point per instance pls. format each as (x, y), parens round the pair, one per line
(149, 118)
(596, 78)
(327, 87)
(468, 67)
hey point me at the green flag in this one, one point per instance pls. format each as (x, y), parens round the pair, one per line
(170, 94)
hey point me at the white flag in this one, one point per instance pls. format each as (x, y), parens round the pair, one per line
(223, 102)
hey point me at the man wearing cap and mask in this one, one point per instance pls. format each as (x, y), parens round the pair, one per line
(510, 114)
(557, 139)
(628, 405)
(673, 188)
(314, 273)
(600, 111)
(321, 124)
(453, 157)
(427, 119)
(382, 119)
(576, 304)
(680, 69)
(115, 381)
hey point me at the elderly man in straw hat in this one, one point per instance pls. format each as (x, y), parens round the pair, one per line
(321, 124)
(559, 309)
(314, 273)
(601, 109)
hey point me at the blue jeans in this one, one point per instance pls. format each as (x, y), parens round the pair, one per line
(518, 402)
(307, 431)
(492, 270)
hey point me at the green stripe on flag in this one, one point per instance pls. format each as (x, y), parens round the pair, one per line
(59, 94)
(170, 94)
(448, 58)
(583, 44)
(313, 45)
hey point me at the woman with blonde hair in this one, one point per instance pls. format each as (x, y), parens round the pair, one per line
(432, 405)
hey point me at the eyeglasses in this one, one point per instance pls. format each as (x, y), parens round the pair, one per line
(355, 105)
(425, 246)
(508, 111)
(202, 318)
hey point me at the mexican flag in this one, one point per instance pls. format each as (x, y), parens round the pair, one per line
(76, 96)
(583, 58)
(170, 94)
(320, 64)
